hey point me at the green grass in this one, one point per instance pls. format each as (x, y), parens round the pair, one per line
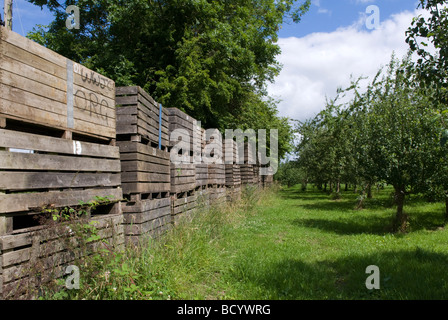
(287, 245)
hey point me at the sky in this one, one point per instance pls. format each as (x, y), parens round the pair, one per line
(333, 43)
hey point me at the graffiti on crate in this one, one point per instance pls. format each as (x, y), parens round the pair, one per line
(91, 103)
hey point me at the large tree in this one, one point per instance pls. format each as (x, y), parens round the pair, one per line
(211, 58)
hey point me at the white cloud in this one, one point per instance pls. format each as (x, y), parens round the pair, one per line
(316, 65)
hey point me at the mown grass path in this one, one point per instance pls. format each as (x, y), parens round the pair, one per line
(302, 245)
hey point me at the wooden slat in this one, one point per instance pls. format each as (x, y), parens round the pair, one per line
(145, 205)
(10, 203)
(21, 161)
(145, 177)
(141, 187)
(14, 181)
(21, 140)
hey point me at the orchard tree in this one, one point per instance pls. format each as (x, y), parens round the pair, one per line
(400, 124)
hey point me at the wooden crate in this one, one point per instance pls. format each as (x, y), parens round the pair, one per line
(144, 169)
(138, 117)
(191, 131)
(230, 154)
(183, 205)
(42, 87)
(216, 174)
(59, 173)
(146, 219)
(34, 256)
(247, 173)
(183, 177)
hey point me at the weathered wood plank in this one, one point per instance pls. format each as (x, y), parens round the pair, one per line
(145, 205)
(141, 187)
(22, 140)
(10, 203)
(21, 161)
(15, 181)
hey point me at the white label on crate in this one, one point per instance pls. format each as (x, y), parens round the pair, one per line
(77, 148)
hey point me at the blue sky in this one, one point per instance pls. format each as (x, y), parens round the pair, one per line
(321, 53)
(329, 15)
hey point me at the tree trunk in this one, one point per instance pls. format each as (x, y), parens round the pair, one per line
(355, 188)
(338, 187)
(401, 218)
(346, 187)
(369, 191)
(325, 187)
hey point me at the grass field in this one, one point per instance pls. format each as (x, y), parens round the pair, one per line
(290, 245)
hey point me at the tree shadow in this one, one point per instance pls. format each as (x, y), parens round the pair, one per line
(361, 224)
(414, 274)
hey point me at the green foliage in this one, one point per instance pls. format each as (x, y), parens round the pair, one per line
(290, 174)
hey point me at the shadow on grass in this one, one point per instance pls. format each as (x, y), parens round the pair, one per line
(412, 274)
(365, 224)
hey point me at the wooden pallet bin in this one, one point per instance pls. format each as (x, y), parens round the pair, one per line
(247, 174)
(144, 169)
(232, 169)
(183, 177)
(216, 174)
(146, 219)
(35, 256)
(40, 86)
(138, 117)
(59, 173)
(183, 206)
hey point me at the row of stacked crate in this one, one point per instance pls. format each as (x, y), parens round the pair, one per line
(57, 151)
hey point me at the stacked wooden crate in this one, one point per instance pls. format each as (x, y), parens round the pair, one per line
(233, 172)
(34, 257)
(200, 166)
(216, 170)
(57, 137)
(145, 163)
(183, 170)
